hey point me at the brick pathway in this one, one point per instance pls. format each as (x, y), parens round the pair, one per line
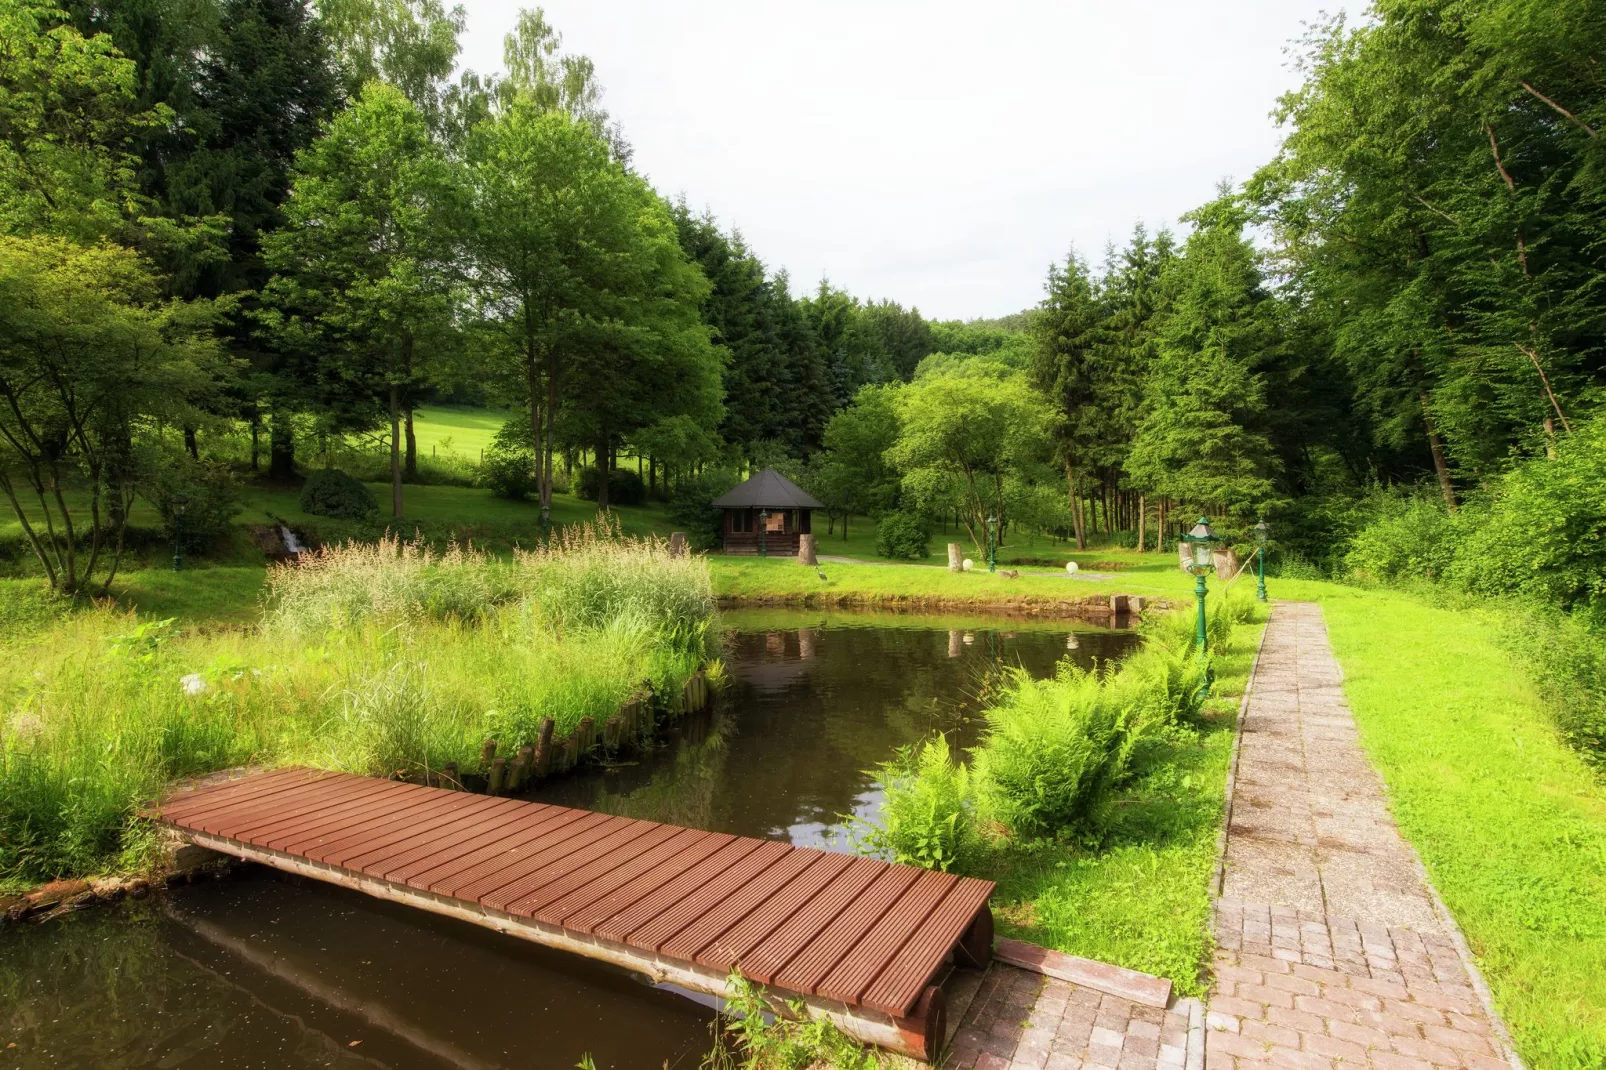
(1021, 1020)
(1332, 950)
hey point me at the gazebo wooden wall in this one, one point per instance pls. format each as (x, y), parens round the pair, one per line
(741, 531)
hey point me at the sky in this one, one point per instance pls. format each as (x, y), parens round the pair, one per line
(937, 154)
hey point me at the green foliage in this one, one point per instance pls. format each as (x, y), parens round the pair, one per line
(331, 492)
(754, 1037)
(509, 466)
(928, 811)
(1410, 538)
(692, 510)
(903, 536)
(625, 487)
(211, 493)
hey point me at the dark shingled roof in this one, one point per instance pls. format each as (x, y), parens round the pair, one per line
(767, 490)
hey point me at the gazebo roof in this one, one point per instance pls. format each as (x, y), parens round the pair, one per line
(767, 490)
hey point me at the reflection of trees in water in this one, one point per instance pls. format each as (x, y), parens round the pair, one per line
(676, 786)
(119, 987)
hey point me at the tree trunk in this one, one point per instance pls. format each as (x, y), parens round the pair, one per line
(256, 443)
(410, 470)
(190, 445)
(1077, 527)
(1143, 518)
(1437, 449)
(281, 447)
(546, 445)
(602, 472)
(395, 451)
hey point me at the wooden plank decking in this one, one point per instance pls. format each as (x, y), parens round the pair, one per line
(861, 940)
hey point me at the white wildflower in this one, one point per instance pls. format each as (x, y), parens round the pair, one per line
(193, 684)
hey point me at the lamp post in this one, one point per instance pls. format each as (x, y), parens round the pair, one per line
(763, 528)
(1201, 540)
(992, 544)
(1262, 533)
(178, 502)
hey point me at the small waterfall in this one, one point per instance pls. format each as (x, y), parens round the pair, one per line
(292, 545)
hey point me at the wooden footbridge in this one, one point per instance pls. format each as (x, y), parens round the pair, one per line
(862, 942)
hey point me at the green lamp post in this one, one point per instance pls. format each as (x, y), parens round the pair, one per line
(1262, 533)
(763, 528)
(992, 544)
(1201, 541)
(178, 502)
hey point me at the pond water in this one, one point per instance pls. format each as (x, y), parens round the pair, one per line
(273, 971)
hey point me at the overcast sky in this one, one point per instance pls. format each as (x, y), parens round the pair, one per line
(935, 153)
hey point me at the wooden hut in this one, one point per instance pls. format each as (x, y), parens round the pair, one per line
(770, 504)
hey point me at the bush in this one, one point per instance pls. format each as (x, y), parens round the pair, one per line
(904, 536)
(509, 473)
(624, 486)
(1409, 538)
(691, 508)
(331, 492)
(928, 811)
(211, 498)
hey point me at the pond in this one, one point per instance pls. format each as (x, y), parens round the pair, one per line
(274, 971)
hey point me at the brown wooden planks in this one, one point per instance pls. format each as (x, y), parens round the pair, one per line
(531, 903)
(658, 877)
(728, 950)
(854, 930)
(684, 841)
(871, 952)
(770, 957)
(808, 969)
(737, 905)
(898, 987)
(661, 929)
(454, 878)
(474, 878)
(554, 865)
(490, 827)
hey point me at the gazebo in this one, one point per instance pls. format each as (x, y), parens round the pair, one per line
(770, 504)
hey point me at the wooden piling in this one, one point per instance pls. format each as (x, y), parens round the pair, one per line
(543, 749)
(449, 777)
(518, 774)
(613, 731)
(586, 733)
(498, 775)
(487, 754)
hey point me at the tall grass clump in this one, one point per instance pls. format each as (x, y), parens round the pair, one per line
(339, 586)
(375, 660)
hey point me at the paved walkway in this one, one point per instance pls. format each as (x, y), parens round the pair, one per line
(1332, 951)
(1331, 947)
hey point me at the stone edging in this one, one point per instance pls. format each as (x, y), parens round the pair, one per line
(1219, 875)
(1135, 985)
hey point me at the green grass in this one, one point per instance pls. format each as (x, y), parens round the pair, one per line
(1509, 820)
(454, 429)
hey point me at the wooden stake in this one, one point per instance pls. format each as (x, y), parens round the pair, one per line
(498, 775)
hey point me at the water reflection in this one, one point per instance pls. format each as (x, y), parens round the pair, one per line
(275, 972)
(817, 699)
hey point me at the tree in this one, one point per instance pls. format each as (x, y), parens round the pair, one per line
(963, 432)
(582, 262)
(1200, 439)
(366, 266)
(1065, 367)
(90, 353)
(852, 474)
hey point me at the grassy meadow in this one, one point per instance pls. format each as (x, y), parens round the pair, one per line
(377, 659)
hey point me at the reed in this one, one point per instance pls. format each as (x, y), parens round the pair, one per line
(377, 660)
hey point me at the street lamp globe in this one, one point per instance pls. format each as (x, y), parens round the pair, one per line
(1201, 540)
(1262, 532)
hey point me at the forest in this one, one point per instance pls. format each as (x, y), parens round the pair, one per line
(234, 230)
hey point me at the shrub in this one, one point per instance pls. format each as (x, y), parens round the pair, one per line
(1409, 538)
(508, 473)
(1046, 764)
(904, 536)
(211, 498)
(331, 492)
(624, 486)
(928, 811)
(691, 508)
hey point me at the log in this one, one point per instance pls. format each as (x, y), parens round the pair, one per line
(543, 748)
(613, 732)
(517, 773)
(956, 558)
(677, 544)
(487, 754)
(498, 775)
(805, 550)
(586, 733)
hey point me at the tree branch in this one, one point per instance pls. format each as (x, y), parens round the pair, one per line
(1570, 116)
(1543, 378)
